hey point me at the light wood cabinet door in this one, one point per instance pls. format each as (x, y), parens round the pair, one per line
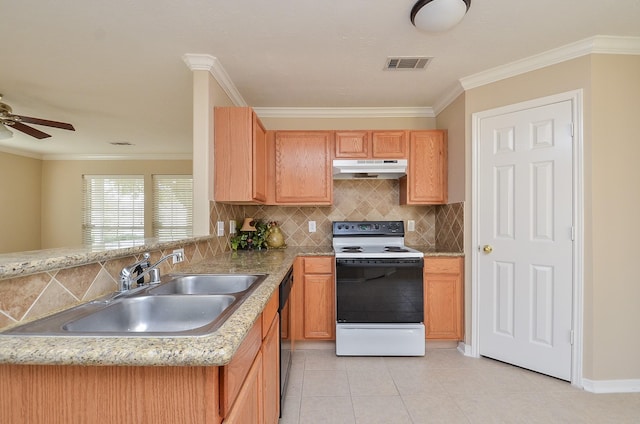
(389, 144)
(426, 180)
(303, 167)
(271, 373)
(239, 156)
(248, 408)
(371, 144)
(443, 298)
(313, 298)
(319, 322)
(352, 144)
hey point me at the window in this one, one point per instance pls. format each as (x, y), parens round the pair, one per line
(113, 210)
(172, 206)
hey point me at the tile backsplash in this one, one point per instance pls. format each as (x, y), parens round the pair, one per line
(437, 227)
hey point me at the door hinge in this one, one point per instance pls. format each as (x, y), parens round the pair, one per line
(573, 129)
(571, 337)
(573, 233)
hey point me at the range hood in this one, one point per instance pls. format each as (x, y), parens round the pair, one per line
(349, 169)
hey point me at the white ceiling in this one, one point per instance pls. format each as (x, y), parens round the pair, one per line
(115, 69)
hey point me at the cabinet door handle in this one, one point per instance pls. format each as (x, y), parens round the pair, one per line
(487, 248)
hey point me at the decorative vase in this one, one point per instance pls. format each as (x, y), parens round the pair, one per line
(275, 238)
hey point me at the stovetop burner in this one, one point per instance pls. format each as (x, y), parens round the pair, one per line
(371, 239)
(395, 249)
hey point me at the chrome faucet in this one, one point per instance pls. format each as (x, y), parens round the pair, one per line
(127, 279)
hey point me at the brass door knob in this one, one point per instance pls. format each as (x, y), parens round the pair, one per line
(487, 248)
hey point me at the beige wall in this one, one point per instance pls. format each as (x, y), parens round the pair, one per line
(615, 202)
(20, 186)
(611, 95)
(62, 193)
(452, 119)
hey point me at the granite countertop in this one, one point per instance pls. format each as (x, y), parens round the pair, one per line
(215, 349)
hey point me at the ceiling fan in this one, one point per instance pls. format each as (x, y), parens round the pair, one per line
(8, 119)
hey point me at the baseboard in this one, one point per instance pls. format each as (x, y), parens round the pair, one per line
(611, 386)
(464, 348)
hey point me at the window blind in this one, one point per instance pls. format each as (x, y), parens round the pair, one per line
(172, 206)
(113, 210)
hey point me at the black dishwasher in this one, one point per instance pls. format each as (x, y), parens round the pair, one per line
(285, 333)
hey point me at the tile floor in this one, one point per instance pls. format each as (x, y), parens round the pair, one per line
(442, 387)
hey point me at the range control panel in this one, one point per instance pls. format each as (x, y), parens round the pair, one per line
(368, 228)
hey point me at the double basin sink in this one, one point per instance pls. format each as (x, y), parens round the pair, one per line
(182, 305)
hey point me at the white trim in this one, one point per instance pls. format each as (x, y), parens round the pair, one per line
(131, 156)
(575, 97)
(449, 98)
(344, 112)
(464, 348)
(206, 62)
(18, 152)
(598, 44)
(611, 386)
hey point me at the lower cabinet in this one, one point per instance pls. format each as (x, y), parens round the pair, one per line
(245, 391)
(248, 406)
(250, 383)
(69, 394)
(443, 298)
(314, 298)
(271, 371)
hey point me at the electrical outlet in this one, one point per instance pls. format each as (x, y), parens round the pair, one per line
(232, 226)
(181, 258)
(220, 228)
(312, 226)
(411, 225)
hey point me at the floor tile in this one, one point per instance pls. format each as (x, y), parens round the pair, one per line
(380, 410)
(442, 387)
(325, 383)
(327, 410)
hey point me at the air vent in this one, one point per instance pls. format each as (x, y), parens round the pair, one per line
(121, 143)
(407, 63)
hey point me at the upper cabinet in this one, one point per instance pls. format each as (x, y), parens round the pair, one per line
(426, 180)
(240, 152)
(371, 144)
(303, 167)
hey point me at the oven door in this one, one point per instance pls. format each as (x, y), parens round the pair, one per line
(385, 290)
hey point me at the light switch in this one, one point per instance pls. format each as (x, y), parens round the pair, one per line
(232, 226)
(411, 225)
(220, 228)
(312, 226)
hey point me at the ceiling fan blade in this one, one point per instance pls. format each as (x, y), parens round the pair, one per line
(30, 131)
(46, 122)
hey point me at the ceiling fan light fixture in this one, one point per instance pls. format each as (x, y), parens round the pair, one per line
(438, 15)
(4, 132)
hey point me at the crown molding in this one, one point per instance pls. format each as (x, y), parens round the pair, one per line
(447, 99)
(206, 62)
(133, 156)
(598, 44)
(345, 112)
(18, 152)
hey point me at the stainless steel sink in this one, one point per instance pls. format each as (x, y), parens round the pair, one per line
(153, 314)
(185, 305)
(209, 284)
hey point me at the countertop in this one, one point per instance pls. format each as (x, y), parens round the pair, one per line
(215, 349)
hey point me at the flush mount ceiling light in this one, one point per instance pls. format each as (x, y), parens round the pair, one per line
(438, 15)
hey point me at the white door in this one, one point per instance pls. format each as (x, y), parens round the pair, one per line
(525, 238)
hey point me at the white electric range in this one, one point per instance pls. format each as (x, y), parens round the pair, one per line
(379, 290)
